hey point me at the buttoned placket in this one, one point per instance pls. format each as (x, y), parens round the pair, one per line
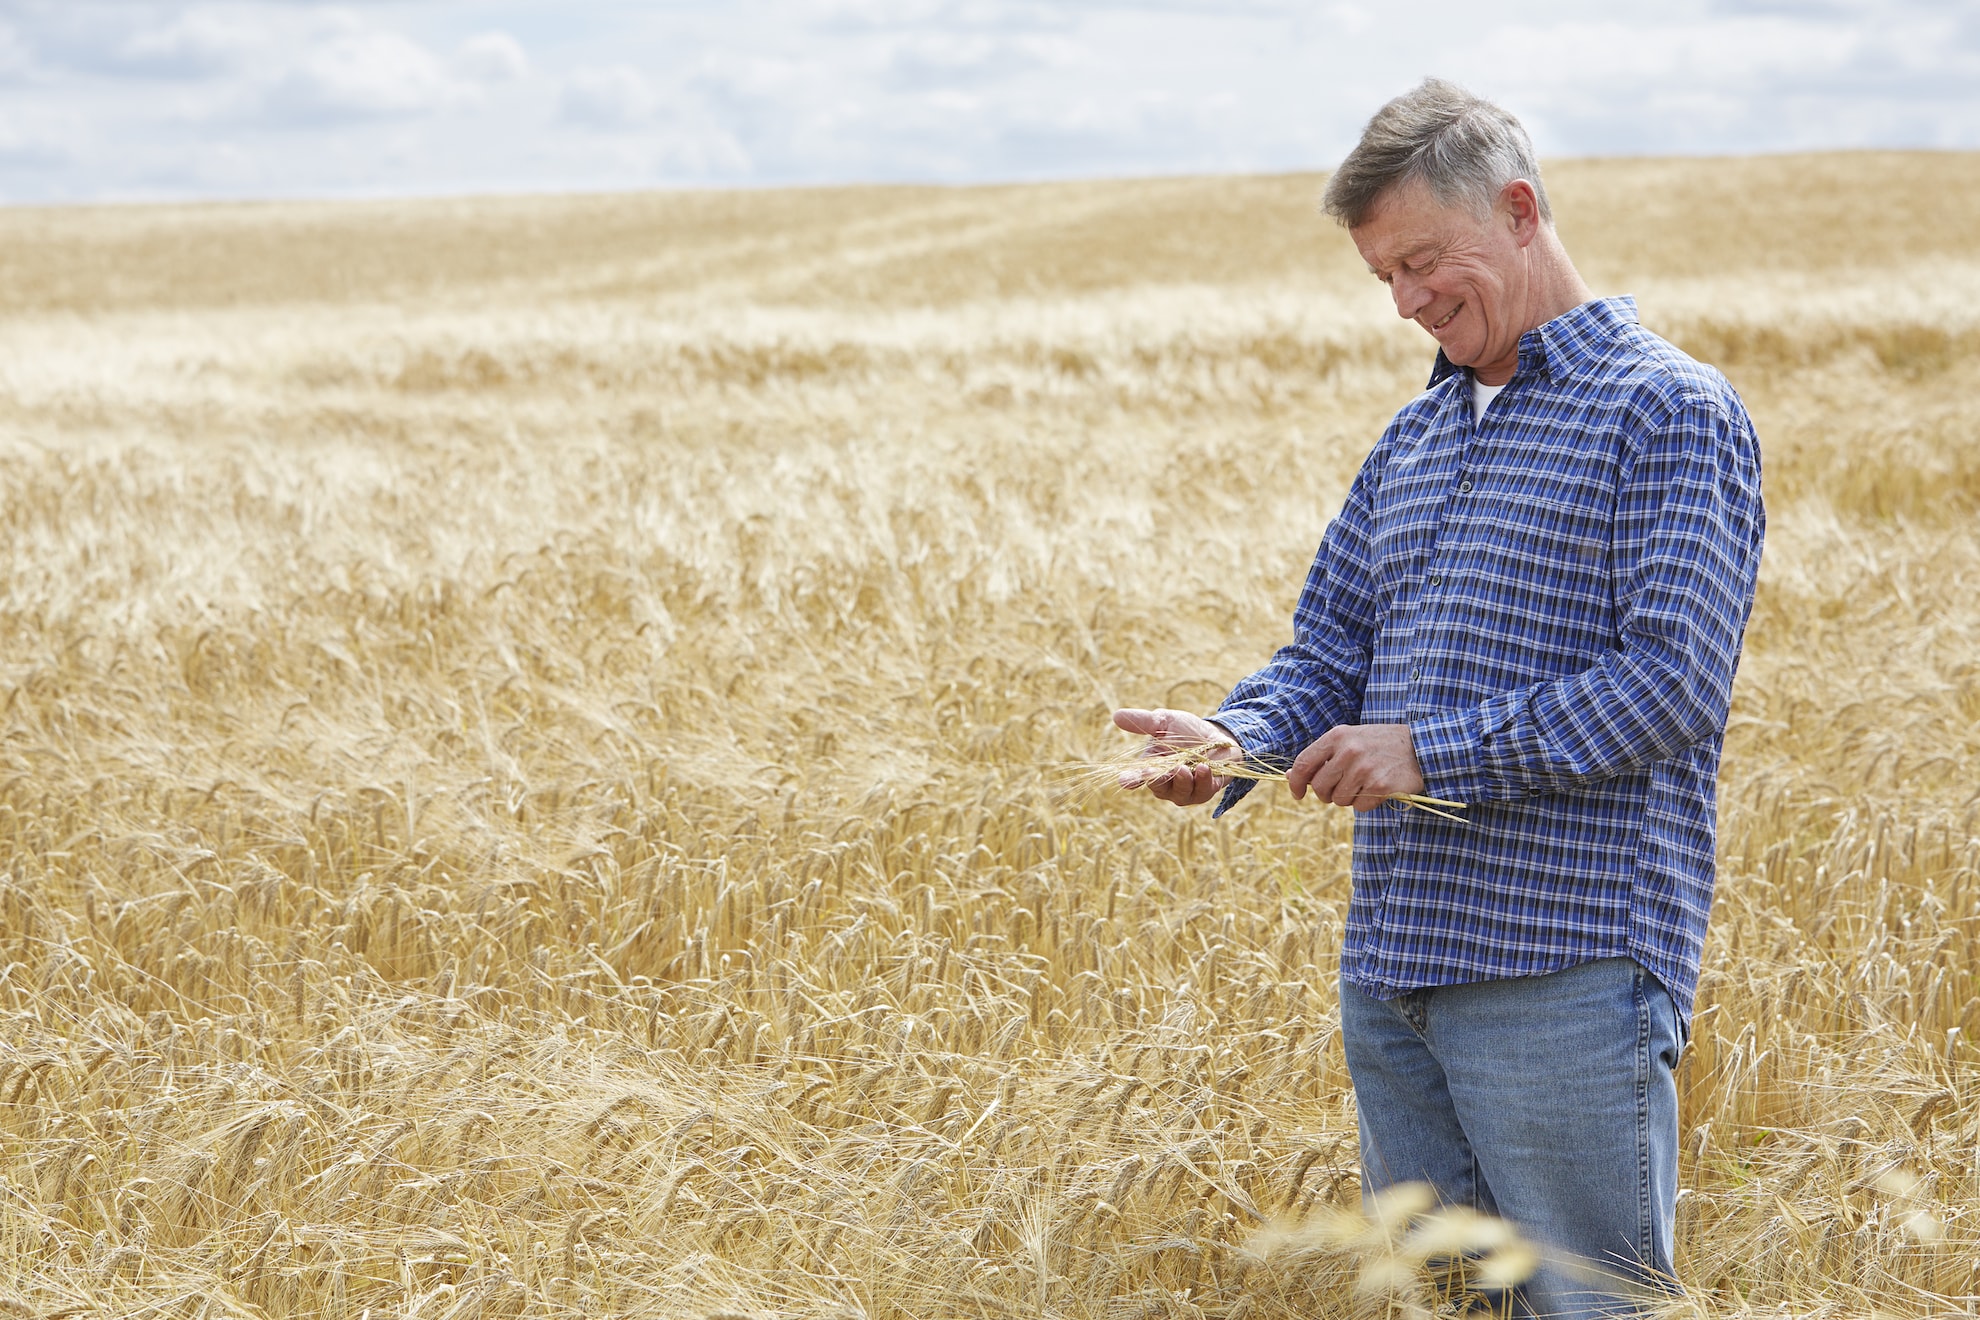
(1532, 357)
(1473, 425)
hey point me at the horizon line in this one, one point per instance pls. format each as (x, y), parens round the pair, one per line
(359, 197)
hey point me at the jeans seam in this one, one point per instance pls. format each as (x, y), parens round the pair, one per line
(1644, 1246)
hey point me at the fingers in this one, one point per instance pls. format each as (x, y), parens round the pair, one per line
(1345, 779)
(1147, 776)
(1331, 781)
(1377, 762)
(1171, 731)
(1306, 765)
(1318, 769)
(1173, 786)
(1340, 767)
(1152, 725)
(1357, 766)
(1356, 795)
(1339, 778)
(1178, 728)
(1188, 788)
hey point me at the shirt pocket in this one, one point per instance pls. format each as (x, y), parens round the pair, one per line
(1554, 557)
(1554, 536)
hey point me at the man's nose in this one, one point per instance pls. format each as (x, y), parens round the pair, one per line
(1410, 295)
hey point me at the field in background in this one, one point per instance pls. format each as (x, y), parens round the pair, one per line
(527, 727)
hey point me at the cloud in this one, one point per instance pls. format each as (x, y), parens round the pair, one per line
(1005, 16)
(613, 97)
(1095, 135)
(946, 60)
(357, 72)
(492, 57)
(137, 97)
(1748, 81)
(294, 64)
(195, 44)
(176, 42)
(674, 136)
(1350, 19)
(701, 152)
(33, 151)
(16, 60)
(656, 138)
(1803, 9)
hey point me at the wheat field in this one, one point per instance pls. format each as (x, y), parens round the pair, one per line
(531, 774)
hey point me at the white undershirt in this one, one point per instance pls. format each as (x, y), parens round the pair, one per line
(1482, 396)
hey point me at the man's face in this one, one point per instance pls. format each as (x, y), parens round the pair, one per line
(1460, 277)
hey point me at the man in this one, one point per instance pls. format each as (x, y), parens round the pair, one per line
(1531, 603)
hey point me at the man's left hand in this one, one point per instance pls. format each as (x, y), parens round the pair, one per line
(1358, 765)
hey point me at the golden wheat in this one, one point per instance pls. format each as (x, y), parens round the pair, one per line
(527, 735)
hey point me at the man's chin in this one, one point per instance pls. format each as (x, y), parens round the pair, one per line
(1448, 342)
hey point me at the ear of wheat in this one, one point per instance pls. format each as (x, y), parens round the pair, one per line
(1133, 769)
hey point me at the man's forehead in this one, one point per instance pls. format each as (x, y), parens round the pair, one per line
(1399, 242)
(1406, 219)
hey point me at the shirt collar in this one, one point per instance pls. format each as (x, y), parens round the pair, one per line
(1563, 345)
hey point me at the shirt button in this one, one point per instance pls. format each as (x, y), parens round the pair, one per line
(1436, 579)
(1464, 488)
(1416, 673)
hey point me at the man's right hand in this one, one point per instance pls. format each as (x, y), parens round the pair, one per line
(1171, 731)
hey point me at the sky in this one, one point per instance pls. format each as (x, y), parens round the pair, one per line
(111, 100)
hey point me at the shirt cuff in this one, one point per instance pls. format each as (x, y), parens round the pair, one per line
(1233, 794)
(1254, 732)
(1251, 731)
(1449, 752)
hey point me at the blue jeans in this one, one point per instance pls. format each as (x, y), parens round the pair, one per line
(1546, 1100)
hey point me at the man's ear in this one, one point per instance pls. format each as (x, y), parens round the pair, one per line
(1519, 204)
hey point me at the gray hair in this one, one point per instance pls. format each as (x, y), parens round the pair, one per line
(1463, 147)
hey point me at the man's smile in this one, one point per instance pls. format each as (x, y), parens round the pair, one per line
(1447, 318)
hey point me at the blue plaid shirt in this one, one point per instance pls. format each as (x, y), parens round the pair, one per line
(1552, 598)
